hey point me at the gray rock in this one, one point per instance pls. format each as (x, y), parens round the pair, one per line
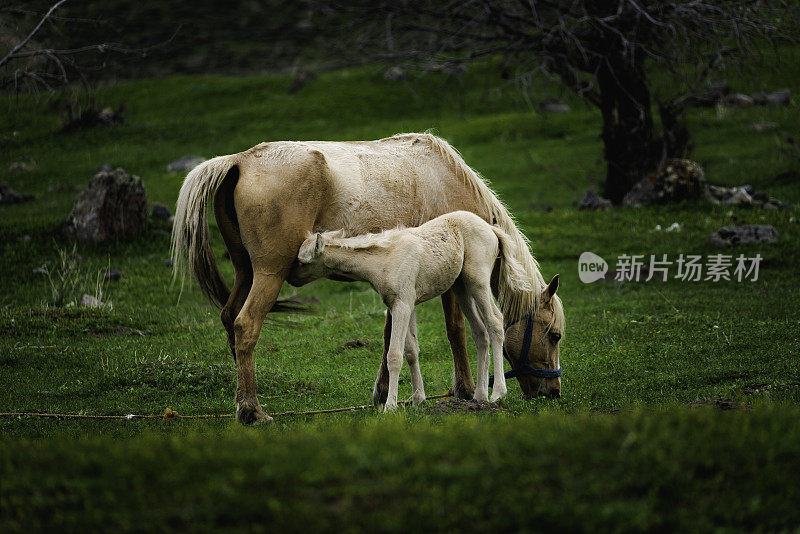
(745, 233)
(711, 96)
(736, 100)
(159, 211)
(112, 275)
(394, 74)
(302, 78)
(782, 97)
(738, 198)
(9, 196)
(113, 206)
(91, 302)
(674, 181)
(764, 126)
(185, 164)
(744, 195)
(591, 201)
(553, 105)
(22, 166)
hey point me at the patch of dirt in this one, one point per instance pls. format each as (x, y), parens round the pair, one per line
(448, 406)
(717, 402)
(113, 329)
(757, 388)
(356, 343)
(760, 388)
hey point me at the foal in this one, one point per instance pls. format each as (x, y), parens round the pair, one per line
(407, 266)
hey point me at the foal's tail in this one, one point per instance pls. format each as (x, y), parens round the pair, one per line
(191, 250)
(513, 276)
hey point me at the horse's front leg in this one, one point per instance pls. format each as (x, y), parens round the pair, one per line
(463, 385)
(401, 314)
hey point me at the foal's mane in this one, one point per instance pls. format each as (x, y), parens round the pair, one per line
(337, 238)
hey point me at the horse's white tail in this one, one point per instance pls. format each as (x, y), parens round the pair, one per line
(516, 300)
(190, 249)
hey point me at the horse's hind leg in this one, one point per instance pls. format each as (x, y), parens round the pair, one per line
(241, 288)
(412, 357)
(463, 385)
(225, 214)
(247, 327)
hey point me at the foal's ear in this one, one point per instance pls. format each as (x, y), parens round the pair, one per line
(319, 244)
(310, 248)
(550, 291)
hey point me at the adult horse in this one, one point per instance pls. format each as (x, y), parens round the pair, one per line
(267, 199)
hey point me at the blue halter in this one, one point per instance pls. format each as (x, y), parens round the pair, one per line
(523, 368)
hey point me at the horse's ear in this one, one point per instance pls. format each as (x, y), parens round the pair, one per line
(550, 291)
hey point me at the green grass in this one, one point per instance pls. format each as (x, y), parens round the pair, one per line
(646, 350)
(640, 472)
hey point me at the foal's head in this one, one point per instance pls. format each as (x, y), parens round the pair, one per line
(309, 265)
(547, 331)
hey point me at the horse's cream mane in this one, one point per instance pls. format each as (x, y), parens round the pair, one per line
(514, 303)
(337, 238)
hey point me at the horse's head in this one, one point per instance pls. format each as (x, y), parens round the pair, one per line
(545, 328)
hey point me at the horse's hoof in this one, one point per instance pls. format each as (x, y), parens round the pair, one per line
(462, 392)
(249, 414)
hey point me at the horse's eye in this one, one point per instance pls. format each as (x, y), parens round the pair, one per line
(554, 337)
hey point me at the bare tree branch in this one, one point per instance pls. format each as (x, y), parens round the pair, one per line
(33, 32)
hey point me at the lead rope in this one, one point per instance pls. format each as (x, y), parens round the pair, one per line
(171, 414)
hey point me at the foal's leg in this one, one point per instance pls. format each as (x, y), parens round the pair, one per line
(412, 357)
(493, 319)
(463, 385)
(401, 313)
(247, 327)
(481, 338)
(381, 389)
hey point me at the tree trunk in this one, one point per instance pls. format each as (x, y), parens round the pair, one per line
(676, 138)
(631, 150)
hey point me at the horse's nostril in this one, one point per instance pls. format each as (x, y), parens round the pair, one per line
(555, 393)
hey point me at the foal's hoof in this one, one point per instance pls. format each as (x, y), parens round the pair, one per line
(247, 414)
(379, 396)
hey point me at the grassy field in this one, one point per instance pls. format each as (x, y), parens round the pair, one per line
(621, 450)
